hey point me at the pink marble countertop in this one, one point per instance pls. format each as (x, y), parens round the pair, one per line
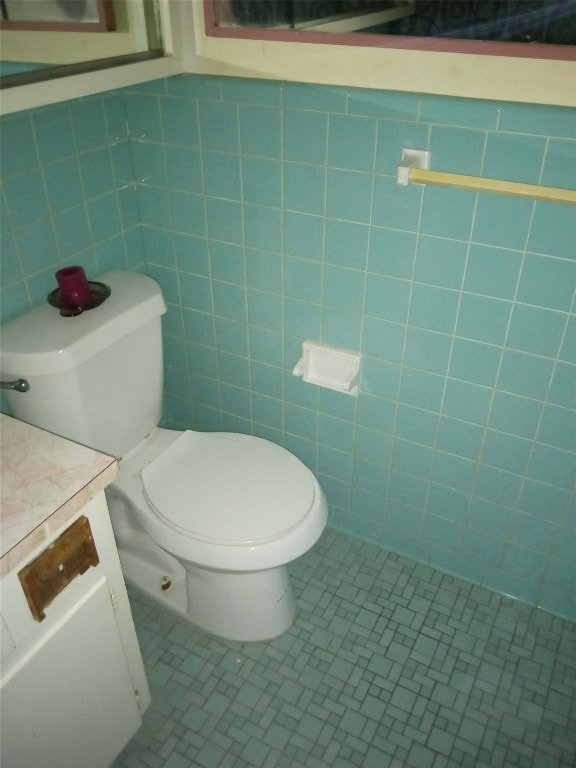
(45, 480)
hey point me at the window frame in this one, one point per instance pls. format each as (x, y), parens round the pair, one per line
(437, 44)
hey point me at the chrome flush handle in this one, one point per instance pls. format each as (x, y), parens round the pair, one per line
(20, 385)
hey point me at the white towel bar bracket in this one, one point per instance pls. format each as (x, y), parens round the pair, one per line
(412, 158)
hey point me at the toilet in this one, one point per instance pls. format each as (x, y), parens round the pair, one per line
(206, 522)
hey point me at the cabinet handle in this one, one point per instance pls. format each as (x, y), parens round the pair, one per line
(70, 555)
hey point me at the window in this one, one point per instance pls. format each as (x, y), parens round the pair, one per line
(526, 28)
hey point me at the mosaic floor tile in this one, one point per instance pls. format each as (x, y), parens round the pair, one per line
(389, 664)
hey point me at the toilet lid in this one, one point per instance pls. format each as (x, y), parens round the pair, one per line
(227, 487)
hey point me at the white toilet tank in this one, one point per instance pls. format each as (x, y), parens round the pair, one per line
(95, 378)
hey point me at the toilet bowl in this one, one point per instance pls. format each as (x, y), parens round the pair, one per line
(206, 523)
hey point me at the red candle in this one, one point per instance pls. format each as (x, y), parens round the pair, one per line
(74, 288)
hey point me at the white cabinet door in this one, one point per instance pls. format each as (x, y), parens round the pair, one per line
(69, 702)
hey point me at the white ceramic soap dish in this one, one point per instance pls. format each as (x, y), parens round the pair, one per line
(331, 367)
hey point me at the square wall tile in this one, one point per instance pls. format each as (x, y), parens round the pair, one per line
(53, 132)
(383, 338)
(547, 282)
(223, 219)
(502, 221)
(492, 271)
(303, 235)
(72, 231)
(540, 535)
(387, 298)
(63, 184)
(89, 123)
(231, 336)
(302, 319)
(536, 330)
(346, 243)
(412, 458)
(37, 248)
(448, 213)
(467, 113)
(563, 385)
(395, 207)
(376, 412)
(559, 164)
(422, 389)
(558, 427)
(338, 433)
(454, 471)
(305, 136)
(250, 91)
(380, 378)
(304, 188)
(537, 120)
(504, 451)
(263, 227)
(460, 438)
(264, 270)
(434, 308)
(524, 374)
(25, 198)
(442, 531)
(492, 484)
(222, 177)
(370, 476)
(227, 262)
(416, 424)
(457, 150)
(341, 328)
(260, 131)
(179, 118)
(427, 350)
(515, 415)
(348, 195)
(408, 489)
(229, 300)
(264, 309)
(17, 145)
(491, 516)
(483, 319)
(514, 157)
(440, 261)
(474, 362)
(261, 181)
(219, 126)
(351, 142)
(302, 279)
(391, 252)
(467, 401)
(343, 288)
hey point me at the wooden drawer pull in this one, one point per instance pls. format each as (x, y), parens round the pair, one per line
(69, 556)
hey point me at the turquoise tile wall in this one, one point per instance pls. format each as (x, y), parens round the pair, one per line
(269, 213)
(68, 196)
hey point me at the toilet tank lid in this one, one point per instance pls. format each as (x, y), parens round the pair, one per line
(43, 342)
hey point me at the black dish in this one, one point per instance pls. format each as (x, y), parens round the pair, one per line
(99, 291)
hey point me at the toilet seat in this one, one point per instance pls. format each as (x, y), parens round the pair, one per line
(228, 488)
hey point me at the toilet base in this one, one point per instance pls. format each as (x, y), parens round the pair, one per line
(240, 605)
(235, 605)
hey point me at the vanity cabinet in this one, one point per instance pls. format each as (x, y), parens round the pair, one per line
(73, 687)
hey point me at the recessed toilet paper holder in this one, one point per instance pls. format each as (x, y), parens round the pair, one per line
(331, 367)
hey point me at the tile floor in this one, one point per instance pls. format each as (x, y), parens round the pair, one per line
(389, 664)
